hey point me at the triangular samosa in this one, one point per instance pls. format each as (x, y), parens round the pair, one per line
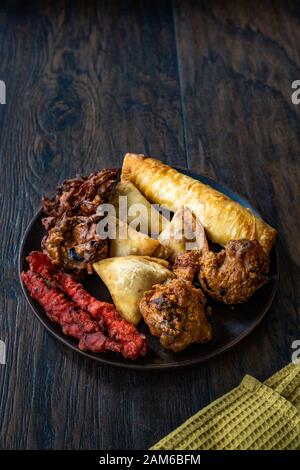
(152, 222)
(184, 232)
(130, 242)
(127, 278)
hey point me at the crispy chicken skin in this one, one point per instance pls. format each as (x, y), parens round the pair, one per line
(235, 273)
(186, 265)
(175, 312)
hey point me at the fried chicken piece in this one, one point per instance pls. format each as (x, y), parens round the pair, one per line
(74, 245)
(186, 265)
(175, 312)
(235, 273)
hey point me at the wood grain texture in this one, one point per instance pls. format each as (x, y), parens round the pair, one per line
(242, 128)
(199, 84)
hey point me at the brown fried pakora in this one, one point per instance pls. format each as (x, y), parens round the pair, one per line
(74, 244)
(235, 273)
(175, 312)
(71, 241)
(79, 196)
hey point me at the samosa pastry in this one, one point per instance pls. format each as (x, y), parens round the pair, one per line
(127, 278)
(222, 218)
(137, 207)
(183, 233)
(163, 252)
(130, 242)
(161, 261)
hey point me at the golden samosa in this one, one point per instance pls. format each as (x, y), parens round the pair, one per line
(151, 221)
(128, 277)
(128, 241)
(184, 232)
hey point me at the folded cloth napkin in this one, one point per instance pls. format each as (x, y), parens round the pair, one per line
(254, 415)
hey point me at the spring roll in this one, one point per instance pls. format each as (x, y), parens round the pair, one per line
(222, 218)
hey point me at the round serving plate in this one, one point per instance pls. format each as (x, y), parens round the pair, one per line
(230, 323)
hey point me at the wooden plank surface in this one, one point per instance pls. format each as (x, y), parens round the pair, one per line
(236, 64)
(198, 84)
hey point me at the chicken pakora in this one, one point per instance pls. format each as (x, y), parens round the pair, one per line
(235, 273)
(175, 311)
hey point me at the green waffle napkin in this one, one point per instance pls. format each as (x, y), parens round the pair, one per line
(254, 415)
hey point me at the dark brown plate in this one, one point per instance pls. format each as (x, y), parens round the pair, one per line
(230, 324)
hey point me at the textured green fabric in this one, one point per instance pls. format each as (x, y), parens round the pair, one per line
(253, 415)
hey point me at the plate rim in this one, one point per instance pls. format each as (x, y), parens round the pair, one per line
(164, 366)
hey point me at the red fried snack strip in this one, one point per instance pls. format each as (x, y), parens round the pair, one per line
(117, 328)
(133, 343)
(41, 264)
(74, 322)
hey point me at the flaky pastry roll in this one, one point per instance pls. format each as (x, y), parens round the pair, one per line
(222, 218)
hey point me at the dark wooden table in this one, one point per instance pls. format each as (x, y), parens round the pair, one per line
(204, 85)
